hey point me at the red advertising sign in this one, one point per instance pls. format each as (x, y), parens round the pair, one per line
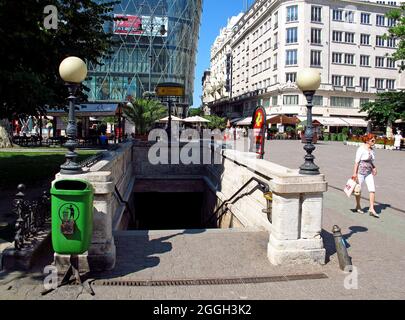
(259, 131)
(131, 25)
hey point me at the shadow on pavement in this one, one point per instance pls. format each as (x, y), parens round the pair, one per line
(137, 252)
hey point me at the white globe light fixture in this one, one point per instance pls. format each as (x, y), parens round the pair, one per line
(73, 71)
(308, 81)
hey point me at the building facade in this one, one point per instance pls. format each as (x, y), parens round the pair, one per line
(156, 42)
(342, 39)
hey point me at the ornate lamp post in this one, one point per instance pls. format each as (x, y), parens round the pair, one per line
(308, 81)
(73, 71)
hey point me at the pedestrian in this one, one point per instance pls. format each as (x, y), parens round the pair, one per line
(365, 170)
(398, 140)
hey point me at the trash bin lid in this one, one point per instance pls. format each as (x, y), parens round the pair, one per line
(71, 186)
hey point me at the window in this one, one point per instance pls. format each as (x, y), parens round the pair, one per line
(348, 81)
(316, 14)
(292, 13)
(316, 36)
(364, 61)
(291, 77)
(364, 83)
(275, 62)
(365, 39)
(317, 101)
(291, 57)
(336, 57)
(276, 20)
(337, 15)
(341, 102)
(391, 43)
(390, 84)
(337, 80)
(379, 83)
(316, 58)
(274, 100)
(337, 36)
(290, 100)
(349, 58)
(380, 41)
(390, 63)
(380, 20)
(379, 62)
(391, 22)
(349, 16)
(363, 101)
(275, 41)
(365, 18)
(292, 34)
(349, 37)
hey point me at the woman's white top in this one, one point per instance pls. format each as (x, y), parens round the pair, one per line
(363, 154)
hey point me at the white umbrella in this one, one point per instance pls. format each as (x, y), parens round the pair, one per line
(196, 119)
(167, 119)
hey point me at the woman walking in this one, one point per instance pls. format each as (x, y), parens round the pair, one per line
(365, 170)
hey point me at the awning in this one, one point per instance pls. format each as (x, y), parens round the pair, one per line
(282, 119)
(245, 122)
(356, 122)
(331, 121)
(87, 110)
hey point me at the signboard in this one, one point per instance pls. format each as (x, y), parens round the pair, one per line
(170, 90)
(259, 131)
(140, 25)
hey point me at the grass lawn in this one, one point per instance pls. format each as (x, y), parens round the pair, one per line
(32, 168)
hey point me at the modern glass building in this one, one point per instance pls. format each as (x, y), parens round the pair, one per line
(156, 43)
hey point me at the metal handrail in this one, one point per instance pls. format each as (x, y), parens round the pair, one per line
(92, 160)
(121, 200)
(262, 185)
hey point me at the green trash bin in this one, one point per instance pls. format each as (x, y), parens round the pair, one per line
(72, 216)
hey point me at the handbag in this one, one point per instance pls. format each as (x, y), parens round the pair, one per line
(349, 188)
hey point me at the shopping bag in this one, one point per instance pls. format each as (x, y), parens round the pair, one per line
(350, 185)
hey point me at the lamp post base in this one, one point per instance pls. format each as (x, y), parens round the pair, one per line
(310, 169)
(71, 166)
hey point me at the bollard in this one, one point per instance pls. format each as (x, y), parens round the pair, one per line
(341, 250)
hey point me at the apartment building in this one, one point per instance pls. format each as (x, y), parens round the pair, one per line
(217, 87)
(274, 39)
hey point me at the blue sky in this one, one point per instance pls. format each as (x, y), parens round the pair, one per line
(215, 16)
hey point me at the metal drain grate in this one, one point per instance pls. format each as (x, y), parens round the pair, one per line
(207, 282)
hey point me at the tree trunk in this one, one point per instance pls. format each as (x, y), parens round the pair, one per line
(5, 141)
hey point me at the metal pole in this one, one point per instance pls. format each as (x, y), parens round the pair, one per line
(309, 167)
(169, 126)
(341, 250)
(150, 56)
(70, 166)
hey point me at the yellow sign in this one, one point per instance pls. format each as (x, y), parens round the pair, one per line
(170, 91)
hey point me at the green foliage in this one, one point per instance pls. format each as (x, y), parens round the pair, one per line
(196, 112)
(31, 54)
(398, 31)
(216, 122)
(345, 131)
(388, 107)
(143, 113)
(358, 131)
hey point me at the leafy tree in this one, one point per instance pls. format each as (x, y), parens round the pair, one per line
(31, 54)
(388, 107)
(196, 112)
(398, 31)
(143, 113)
(216, 122)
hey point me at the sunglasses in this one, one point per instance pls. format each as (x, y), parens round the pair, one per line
(373, 141)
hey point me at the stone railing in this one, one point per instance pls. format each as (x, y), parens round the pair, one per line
(297, 205)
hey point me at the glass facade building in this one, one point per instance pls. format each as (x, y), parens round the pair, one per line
(156, 43)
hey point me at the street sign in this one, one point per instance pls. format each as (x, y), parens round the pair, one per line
(170, 90)
(259, 131)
